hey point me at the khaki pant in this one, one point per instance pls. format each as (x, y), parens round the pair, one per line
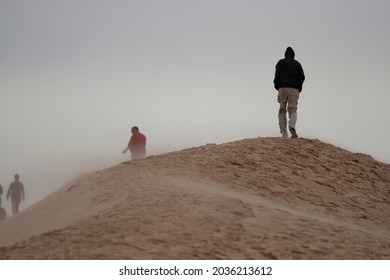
(288, 100)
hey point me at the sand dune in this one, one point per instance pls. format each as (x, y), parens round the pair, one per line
(264, 198)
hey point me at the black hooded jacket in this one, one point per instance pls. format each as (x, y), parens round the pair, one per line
(289, 72)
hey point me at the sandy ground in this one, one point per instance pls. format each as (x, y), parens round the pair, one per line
(264, 198)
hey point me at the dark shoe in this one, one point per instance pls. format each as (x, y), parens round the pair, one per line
(293, 133)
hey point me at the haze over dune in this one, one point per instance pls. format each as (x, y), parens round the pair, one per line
(75, 76)
(263, 198)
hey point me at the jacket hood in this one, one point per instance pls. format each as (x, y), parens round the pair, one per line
(289, 53)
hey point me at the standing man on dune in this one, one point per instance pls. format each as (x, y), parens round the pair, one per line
(289, 78)
(16, 191)
(137, 144)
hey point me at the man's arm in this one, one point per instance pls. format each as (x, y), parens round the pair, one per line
(301, 77)
(125, 150)
(22, 189)
(128, 146)
(277, 74)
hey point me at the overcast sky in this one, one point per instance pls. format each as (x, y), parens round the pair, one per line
(75, 75)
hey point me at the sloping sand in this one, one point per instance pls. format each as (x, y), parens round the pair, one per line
(264, 198)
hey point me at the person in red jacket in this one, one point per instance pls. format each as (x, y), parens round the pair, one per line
(137, 144)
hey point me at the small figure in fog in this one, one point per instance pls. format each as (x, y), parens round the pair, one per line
(1, 192)
(16, 192)
(3, 213)
(137, 144)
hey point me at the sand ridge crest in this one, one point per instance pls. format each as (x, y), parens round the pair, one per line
(263, 198)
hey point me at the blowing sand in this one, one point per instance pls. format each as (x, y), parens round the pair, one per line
(264, 198)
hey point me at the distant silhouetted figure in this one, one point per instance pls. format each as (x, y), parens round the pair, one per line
(16, 191)
(1, 192)
(289, 78)
(137, 144)
(3, 213)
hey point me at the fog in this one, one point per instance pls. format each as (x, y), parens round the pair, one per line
(75, 76)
